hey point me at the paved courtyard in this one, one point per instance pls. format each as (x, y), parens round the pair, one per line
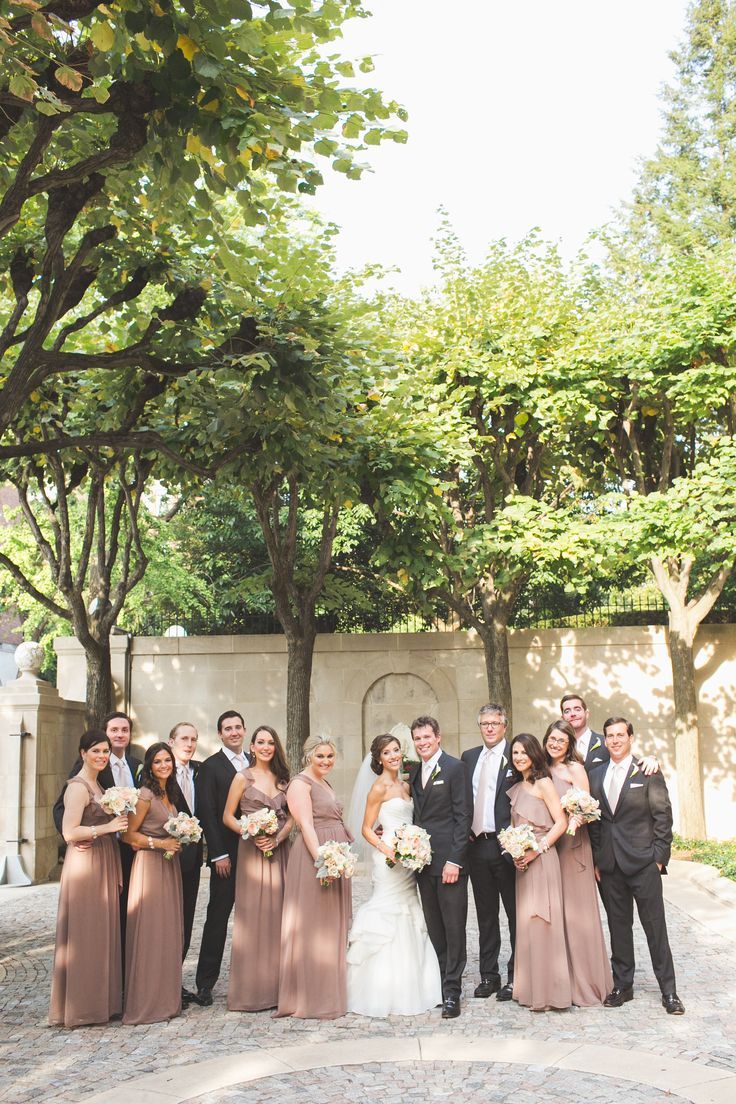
(493, 1052)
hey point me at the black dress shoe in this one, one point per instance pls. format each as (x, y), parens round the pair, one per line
(487, 986)
(505, 994)
(450, 1008)
(187, 994)
(617, 997)
(672, 1004)
(204, 997)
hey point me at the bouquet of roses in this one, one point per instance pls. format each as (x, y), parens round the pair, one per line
(263, 822)
(335, 860)
(516, 841)
(184, 828)
(117, 800)
(411, 847)
(577, 802)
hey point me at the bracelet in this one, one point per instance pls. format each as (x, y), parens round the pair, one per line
(544, 845)
(94, 833)
(150, 843)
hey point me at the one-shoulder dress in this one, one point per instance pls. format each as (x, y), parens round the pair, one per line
(259, 900)
(315, 921)
(155, 928)
(541, 968)
(392, 965)
(590, 968)
(86, 984)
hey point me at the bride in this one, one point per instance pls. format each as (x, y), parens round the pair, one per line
(392, 966)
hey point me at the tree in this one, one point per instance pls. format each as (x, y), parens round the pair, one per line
(654, 380)
(474, 395)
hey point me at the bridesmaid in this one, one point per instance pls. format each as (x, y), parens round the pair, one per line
(541, 970)
(314, 927)
(155, 927)
(259, 885)
(86, 984)
(590, 969)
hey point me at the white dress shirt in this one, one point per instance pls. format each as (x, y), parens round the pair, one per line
(184, 775)
(624, 766)
(496, 758)
(583, 743)
(428, 767)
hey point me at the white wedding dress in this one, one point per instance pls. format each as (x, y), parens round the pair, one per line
(392, 966)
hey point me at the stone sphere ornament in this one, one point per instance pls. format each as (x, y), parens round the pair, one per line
(29, 657)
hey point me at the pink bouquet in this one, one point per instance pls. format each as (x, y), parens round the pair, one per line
(577, 802)
(411, 847)
(263, 822)
(117, 800)
(516, 841)
(335, 860)
(184, 828)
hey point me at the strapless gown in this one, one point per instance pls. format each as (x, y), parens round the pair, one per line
(392, 966)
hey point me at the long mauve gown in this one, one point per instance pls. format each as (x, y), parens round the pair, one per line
(259, 899)
(590, 969)
(86, 984)
(155, 928)
(541, 968)
(315, 922)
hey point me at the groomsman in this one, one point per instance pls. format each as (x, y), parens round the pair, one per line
(590, 745)
(213, 786)
(123, 769)
(183, 742)
(443, 806)
(631, 849)
(492, 874)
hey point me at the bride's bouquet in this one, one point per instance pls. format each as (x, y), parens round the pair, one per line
(263, 822)
(335, 860)
(117, 800)
(184, 828)
(577, 802)
(412, 847)
(516, 841)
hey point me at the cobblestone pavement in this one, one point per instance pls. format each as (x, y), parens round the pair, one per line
(41, 1063)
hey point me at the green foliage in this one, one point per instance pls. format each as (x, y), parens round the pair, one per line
(721, 854)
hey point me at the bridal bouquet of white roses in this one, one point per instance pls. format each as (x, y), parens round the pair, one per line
(263, 822)
(411, 847)
(335, 860)
(184, 828)
(516, 841)
(577, 802)
(119, 799)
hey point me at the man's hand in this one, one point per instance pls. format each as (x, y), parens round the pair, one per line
(222, 867)
(659, 867)
(450, 873)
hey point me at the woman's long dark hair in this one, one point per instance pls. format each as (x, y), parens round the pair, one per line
(572, 755)
(279, 766)
(149, 780)
(533, 749)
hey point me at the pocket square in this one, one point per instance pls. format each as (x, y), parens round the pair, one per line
(636, 785)
(440, 783)
(597, 759)
(509, 773)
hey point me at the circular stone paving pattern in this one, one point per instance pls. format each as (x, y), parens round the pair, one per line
(471, 1082)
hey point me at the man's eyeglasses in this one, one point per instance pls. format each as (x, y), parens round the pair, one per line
(492, 724)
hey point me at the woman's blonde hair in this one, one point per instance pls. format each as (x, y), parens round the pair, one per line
(311, 745)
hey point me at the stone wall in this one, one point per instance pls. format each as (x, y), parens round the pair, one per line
(363, 684)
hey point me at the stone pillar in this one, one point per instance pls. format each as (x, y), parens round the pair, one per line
(36, 765)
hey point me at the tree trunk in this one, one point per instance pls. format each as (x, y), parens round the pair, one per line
(687, 734)
(495, 639)
(299, 678)
(99, 681)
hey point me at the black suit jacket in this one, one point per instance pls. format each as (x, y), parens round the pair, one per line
(105, 779)
(501, 804)
(640, 830)
(597, 752)
(213, 785)
(445, 810)
(190, 857)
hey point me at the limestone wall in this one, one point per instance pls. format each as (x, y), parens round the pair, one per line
(364, 684)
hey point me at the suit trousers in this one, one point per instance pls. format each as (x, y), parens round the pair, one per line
(219, 907)
(619, 891)
(127, 854)
(189, 891)
(445, 910)
(494, 880)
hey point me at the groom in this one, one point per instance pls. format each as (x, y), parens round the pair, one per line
(443, 806)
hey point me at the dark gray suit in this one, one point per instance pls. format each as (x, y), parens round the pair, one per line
(445, 810)
(597, 752)
(190, 861)
(492, 874)
(627, 845)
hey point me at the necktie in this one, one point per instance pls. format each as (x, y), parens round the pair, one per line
(117, 770)
(479, 813)
(617, 781)
(238, 762)
(426, 771)
(185, 784)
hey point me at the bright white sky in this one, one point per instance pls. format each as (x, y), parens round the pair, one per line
(522, 113)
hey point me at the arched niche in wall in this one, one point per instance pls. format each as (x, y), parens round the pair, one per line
(395, 698)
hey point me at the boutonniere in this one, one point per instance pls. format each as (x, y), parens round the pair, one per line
(504, 761)
(594, 746)
(634, 770)
(434, 773)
